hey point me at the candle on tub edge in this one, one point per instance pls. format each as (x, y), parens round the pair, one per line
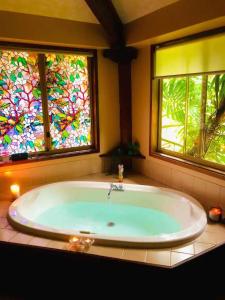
(215, 214)
(15, 191)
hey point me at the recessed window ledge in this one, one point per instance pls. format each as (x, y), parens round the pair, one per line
(47, 156)
(190, 165)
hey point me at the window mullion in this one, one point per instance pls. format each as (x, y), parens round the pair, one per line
(91, 96)
(41, 66)
(160, 93)
(186, 115)
(203, 113)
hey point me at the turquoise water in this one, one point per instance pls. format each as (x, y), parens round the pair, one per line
(109, 219)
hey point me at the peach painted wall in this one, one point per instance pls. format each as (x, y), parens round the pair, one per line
(207, 189)
(51, 31)
(18, 27)
(38, 173)
(174, 17)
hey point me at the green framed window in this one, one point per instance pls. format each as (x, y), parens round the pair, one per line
(189, 92)
(192, 117)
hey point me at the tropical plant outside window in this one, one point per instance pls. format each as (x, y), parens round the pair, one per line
(45, 102)
(192, 117)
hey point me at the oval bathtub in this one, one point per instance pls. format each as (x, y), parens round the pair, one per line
(137, 216)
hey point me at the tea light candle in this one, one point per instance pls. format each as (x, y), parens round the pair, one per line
(74, 240)
(215, 214)
(15, 191)
(80, 243)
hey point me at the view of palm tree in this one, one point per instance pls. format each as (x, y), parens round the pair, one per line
(193, 116)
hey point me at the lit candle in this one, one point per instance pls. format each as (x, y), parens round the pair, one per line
(15, 191)
(88, 242)
(80, 243)
(74, 240)
(215, 214)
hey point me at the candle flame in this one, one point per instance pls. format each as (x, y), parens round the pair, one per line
(15, 191)
(215, 211)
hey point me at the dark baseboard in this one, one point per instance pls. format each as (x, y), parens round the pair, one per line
(29, 272)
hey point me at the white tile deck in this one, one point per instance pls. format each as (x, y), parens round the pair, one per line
(213, 236)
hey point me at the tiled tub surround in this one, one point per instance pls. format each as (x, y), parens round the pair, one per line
(39, 173)
(209, 190)
(213, 236)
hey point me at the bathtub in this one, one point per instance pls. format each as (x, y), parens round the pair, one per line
(134, 216)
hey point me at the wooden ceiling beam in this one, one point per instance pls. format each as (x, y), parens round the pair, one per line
(106, 14)
(108, 17)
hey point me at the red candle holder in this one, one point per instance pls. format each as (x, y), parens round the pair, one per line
(215, 214)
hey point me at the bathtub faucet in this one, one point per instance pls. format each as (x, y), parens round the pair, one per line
(115, 187)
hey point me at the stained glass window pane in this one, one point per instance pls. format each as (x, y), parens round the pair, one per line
(21, 119)
(68, 100)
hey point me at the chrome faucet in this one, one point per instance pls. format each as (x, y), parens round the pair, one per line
(115, 187)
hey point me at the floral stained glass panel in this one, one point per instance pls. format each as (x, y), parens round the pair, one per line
(21, 118)
(68, 100)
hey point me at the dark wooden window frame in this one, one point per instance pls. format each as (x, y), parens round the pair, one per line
(93, 83)
(154, 151)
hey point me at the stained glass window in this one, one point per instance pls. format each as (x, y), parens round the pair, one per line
(68, 100)
(45, 102)
(21, 119)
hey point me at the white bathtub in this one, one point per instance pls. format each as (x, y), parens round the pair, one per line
(139, 216)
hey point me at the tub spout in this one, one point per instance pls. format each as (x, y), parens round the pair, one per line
(115, 187)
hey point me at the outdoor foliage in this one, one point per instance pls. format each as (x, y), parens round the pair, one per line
(193, 116)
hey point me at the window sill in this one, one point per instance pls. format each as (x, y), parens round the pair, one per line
(45, 157)
(189, 165)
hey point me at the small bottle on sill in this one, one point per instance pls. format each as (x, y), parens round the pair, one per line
(120, 175)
